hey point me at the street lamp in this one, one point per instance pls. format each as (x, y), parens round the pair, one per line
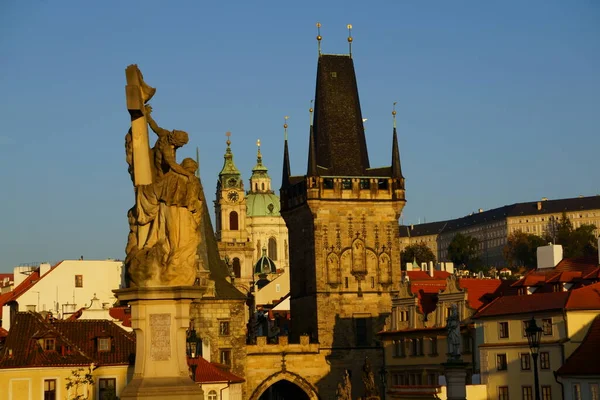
(383, 377)
(534, 334)
(193, 347)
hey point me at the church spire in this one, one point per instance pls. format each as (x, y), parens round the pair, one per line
(229, 176)
(396, 167)
(285, 176)
(260, 181)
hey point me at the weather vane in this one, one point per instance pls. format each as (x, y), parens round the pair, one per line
(394, 113)
(285, 126)
(228, 134)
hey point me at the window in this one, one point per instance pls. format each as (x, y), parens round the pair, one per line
(403, 316)
(503, 329)
(224, 328)
(107, 388)
(501, 362)
(50, 344)
(527, 392)
(434, 350)
(104, 344)
(346, 282)
(361, 332)
(49, 389)
(525, 323)
(233, 221)
(544, 360)
(594, 391)
(546, 393)
(576, 391)
(525, 362)
(237, 268)
(503, 393)
(78, 280)
(547, 326)
(212, 395)
(225, 357)
(273, 249)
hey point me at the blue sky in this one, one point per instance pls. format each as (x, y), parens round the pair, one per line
(498, 102)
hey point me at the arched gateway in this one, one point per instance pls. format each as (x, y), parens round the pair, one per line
(285, 385)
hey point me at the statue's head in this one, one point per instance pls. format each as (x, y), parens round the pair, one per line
(189, 164)
(178, 138)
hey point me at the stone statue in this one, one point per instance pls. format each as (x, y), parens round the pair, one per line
(344, 388)
(454, 338)
(165, 222)
(371, 390)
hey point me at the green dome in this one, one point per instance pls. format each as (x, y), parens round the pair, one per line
(262, 205)
(265, 265)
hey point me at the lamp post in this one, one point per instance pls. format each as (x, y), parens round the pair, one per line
(193, 347)
(383, 377)
(534, 334)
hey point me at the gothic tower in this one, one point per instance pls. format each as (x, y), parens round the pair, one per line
(230, 216)
(342, 218)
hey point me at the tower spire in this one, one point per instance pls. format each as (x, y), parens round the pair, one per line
(349, 26)
(312, 160)
(319, 37)
(285, 175)
(396, 167)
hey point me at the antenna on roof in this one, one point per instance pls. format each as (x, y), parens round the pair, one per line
(394, 114)
(285, 126)
(319, 37)
(350, 39)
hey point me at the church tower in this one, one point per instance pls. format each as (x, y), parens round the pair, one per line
(230, 216)
(342, 217)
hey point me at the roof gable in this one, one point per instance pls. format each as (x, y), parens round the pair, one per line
(584, 360)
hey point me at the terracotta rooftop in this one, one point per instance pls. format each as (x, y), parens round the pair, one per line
(568, 270)
(75, 343)
(121, 313)
(207, 372)
(481, 291)
(585, 298)
(584, 360)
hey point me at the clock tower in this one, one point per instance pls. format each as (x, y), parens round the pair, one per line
(230, 217)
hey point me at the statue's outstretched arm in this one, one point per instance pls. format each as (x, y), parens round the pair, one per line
(169, 158)
(157, 129)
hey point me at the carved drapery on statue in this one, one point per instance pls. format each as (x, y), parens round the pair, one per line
(368, 377)
(344, 388)
(454, 339)
(165, 222)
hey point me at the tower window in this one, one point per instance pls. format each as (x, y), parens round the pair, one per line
(273, 249)
(233, 221)
(262, 185)
(237, 268)
(361, 332)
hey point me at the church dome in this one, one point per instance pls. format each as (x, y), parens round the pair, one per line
(262, 205)
(265, 265)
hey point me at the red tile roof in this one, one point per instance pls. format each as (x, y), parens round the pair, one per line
(584, 360)
(568, 270)
(3, 332)
(75, 343)
(121, 313)
(480, 291)
(207, 372)
(585, 298)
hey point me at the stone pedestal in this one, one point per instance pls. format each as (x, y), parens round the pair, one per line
(456, 379)
(160, 318)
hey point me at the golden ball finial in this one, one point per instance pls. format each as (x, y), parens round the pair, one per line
(349, 39)
(284, 126)
(319, 37)
(310, 110)
(349, 26)
(394, 113)
(258, 142)
(318, 24)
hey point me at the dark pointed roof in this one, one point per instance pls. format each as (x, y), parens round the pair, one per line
(396, 166)
(312, 160)
(285, 175)
(339, 137)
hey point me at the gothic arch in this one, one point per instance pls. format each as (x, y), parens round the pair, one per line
(296, 379)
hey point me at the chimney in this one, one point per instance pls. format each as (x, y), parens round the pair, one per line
(431, 269)
(44, 267)
(481, 210)
(408, 267)
(549, 256)
(539, 205)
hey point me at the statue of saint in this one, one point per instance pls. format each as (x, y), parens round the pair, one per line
(368, 377)
(165, 222)
(344, 388)
(454, 339)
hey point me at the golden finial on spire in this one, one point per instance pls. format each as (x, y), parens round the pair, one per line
(350, 38)
(228, 141)
(310, 112)
(394, 114)
(319, 36)
(285, 126)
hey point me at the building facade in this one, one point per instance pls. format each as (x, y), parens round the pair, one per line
(492, 228)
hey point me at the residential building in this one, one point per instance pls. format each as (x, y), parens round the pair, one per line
(42, 354)
(61, 289)
(492, 228)
(216, 382)
(506, 365)
(580, 374)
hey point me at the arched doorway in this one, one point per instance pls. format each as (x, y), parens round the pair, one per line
(284, 390)
(285, 385)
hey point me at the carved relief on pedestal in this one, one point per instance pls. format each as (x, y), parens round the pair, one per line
(160, 337)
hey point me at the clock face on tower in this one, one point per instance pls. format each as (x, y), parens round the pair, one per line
(233, 196)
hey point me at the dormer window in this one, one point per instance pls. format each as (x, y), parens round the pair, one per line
(49, 344)
(104, 344)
